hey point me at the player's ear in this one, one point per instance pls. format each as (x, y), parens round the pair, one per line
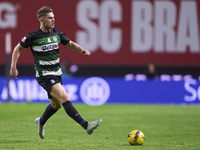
(41, 19)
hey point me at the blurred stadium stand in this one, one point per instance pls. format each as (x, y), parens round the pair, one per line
(115, 71)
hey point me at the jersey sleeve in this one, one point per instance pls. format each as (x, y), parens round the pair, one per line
(26, 41)
(63, 39)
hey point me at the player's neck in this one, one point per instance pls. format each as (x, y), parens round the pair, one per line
(44, 29)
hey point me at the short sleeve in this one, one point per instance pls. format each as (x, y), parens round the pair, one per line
(26, 41)
(63, 39)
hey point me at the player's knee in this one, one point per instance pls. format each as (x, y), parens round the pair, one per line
(64, 98)
(56, 105)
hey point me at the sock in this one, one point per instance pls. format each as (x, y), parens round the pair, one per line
(73, 113)
(47, 114)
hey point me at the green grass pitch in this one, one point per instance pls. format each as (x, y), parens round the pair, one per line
(165, 127)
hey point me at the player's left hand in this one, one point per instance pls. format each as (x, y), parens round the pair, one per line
(86, 52)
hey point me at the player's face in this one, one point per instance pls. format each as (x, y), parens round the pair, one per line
(49, 21)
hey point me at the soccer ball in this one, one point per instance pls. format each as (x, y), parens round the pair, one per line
(136, 137)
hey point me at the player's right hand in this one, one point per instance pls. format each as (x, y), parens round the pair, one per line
(13, 73)
(86, 52)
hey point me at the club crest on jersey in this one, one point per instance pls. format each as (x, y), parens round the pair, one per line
(55, 39)
(49, 40)
(53, 81)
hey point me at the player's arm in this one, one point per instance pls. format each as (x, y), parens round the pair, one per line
(75, 47)
(15, 56)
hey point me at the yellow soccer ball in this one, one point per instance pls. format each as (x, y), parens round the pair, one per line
(136, 137)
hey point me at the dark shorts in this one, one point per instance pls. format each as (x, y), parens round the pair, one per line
(48, 81)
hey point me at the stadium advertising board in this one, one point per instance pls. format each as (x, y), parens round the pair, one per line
(99, 91)
(121, 32)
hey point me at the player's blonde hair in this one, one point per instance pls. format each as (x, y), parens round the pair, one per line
(43, 11)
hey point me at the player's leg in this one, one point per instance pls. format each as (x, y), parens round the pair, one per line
(40, 121)
(59, 93)
(49, 111)
(59, 98)
(46, 83)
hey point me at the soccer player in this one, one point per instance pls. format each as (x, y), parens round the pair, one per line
(44, 45)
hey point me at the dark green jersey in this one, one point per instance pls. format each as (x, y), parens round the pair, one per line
(45, 49)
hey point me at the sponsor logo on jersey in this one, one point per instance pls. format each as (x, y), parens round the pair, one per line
(50, 47)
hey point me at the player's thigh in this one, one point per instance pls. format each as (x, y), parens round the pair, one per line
(59, 93)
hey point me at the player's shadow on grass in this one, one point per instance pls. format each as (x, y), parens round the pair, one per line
(128, 145)
(13, 141)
